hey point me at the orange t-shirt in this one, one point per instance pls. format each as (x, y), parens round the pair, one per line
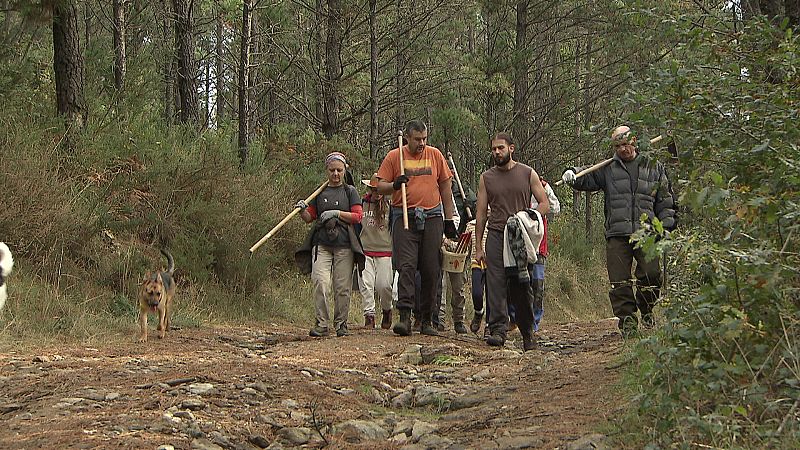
(425, 171)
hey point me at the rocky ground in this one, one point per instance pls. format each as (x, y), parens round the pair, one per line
(275, 387)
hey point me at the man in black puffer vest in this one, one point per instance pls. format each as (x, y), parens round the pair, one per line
(633, 184)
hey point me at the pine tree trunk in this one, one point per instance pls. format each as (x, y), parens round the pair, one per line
(219, 69)
(120, 60)
(333, 69)
(492, 96)
(187, 82)
(68, 64)
(168, 54)
(373, 80)
(399, 67)
(207, 92)
(520, 108)
(254, 107)
(244, 78)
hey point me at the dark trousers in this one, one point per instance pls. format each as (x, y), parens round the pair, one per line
(478, 289)
(418, 251)
(620, 254)
(502, 290)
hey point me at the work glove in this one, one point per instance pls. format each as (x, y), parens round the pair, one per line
(568, 176)
(328, 215)
(399, 181)
(301, 204)
(450, 229)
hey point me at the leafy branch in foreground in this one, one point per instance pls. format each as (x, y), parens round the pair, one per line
(725, 371)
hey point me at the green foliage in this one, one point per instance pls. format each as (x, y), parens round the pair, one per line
(725, 370)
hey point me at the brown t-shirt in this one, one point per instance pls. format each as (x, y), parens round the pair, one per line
(508, 192)
(425, 171)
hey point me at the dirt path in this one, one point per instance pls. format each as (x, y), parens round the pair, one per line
(275, 387)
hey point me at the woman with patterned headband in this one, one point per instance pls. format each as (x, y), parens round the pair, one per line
(334, 245)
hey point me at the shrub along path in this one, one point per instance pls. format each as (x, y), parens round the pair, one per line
(273, 386)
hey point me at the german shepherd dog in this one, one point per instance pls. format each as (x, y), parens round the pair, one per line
(155, 295)
(6, 264)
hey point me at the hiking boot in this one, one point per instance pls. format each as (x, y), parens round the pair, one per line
(427, 329)
(459, 328)
(486, 333)
(342, 331)
(318, 331)
(386, 319)
(403, 326)
(529, 343)
(475, 325)
(369, 321)
(495, 340)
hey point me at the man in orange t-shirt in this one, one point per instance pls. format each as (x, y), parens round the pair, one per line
(430, 214)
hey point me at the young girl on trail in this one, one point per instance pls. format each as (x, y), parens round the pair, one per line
(376, 280)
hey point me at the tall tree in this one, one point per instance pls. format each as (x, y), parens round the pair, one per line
(120, 60)
(519, 118)
(373, 79)
(169, 59)
(492, 16)
(401, 60)
(187, 70)
(244, 79)
(333, 68)
(68, 64)
(219, 65)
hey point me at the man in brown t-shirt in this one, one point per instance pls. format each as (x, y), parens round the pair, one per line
(430, 213)
(506, 188)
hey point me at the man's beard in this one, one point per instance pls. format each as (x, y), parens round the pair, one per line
(500, 162)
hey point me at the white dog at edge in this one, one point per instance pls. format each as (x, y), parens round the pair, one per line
(6, 264)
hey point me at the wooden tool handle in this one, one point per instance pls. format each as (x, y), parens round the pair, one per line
(602, 164)
(287, 218)
(403, 186)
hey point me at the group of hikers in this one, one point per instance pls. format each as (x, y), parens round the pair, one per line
(394, 236)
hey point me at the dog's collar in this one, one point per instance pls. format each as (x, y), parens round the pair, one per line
(2, 279)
